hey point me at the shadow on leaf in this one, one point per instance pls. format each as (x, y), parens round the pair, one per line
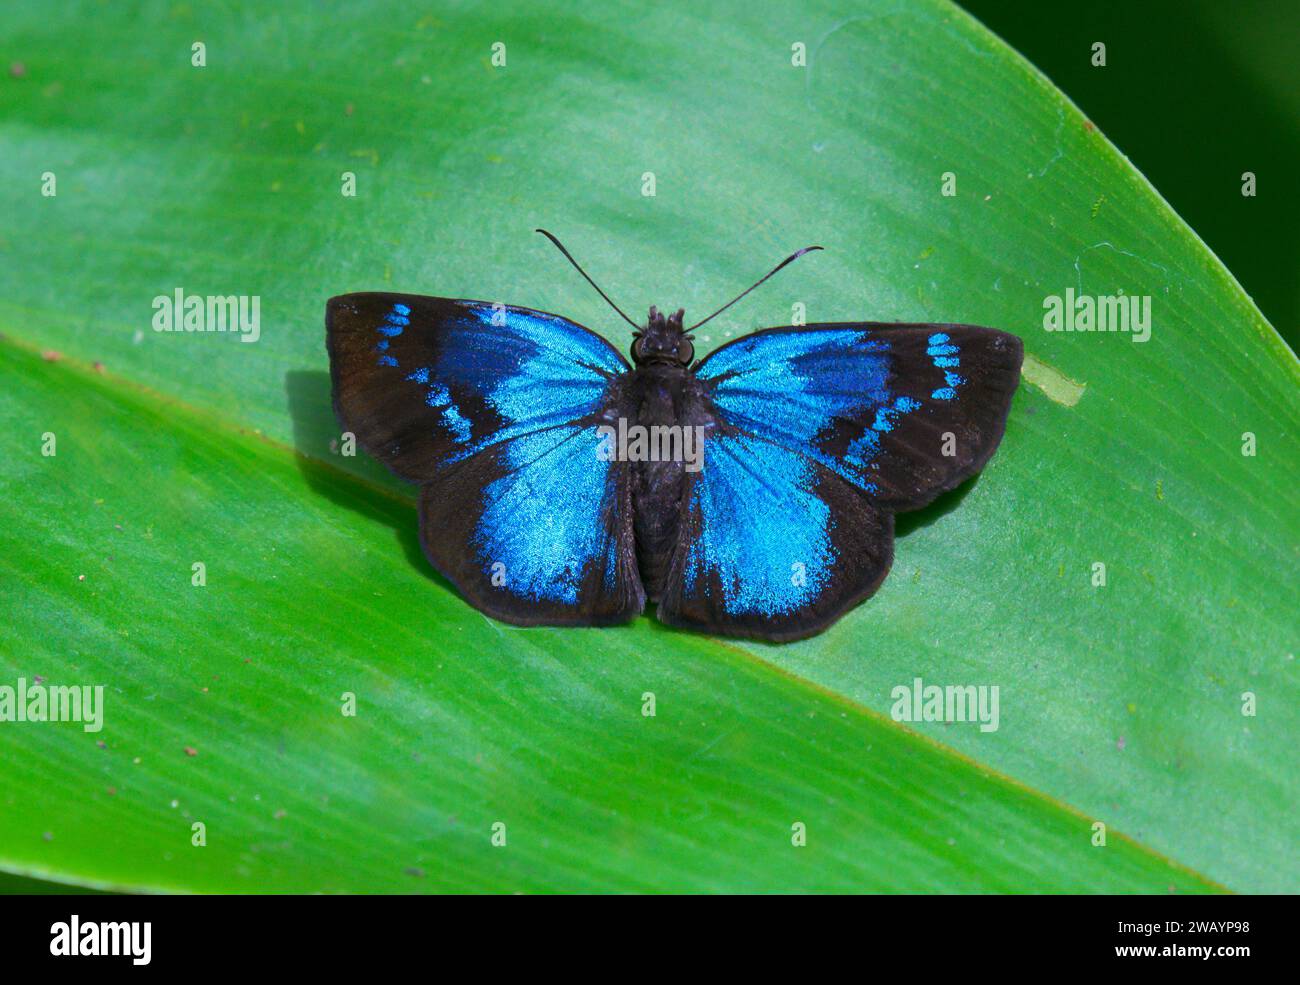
(363, 485)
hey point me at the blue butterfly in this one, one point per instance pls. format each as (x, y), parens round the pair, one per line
(750, 493)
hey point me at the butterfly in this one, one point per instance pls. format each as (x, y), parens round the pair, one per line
(755, 495)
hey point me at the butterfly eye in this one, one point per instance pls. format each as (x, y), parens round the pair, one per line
(685, 351)
(638, 352)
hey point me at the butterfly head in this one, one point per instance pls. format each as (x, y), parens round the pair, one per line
(663, 340)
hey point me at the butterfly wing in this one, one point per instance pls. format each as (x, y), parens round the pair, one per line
(771, 544)
(493, 409)
(902, 411)
(817, 436)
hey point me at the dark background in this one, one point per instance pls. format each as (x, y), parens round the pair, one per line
(1194, 92)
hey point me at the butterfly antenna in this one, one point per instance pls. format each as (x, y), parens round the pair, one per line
(560, 246)
(787, 261)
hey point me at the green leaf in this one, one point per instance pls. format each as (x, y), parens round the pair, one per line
(1119, 704)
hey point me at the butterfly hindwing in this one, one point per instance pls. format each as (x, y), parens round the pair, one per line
(819, 435)
(494, 409)
(548, 537)
(772, 544)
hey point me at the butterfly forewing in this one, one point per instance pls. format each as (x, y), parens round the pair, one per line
(903, 411)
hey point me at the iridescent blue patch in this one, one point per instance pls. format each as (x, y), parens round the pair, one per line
(766, 568)
(535, 371)
(540, 518)
(393, 324)
(945, 356)
(792, 387)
